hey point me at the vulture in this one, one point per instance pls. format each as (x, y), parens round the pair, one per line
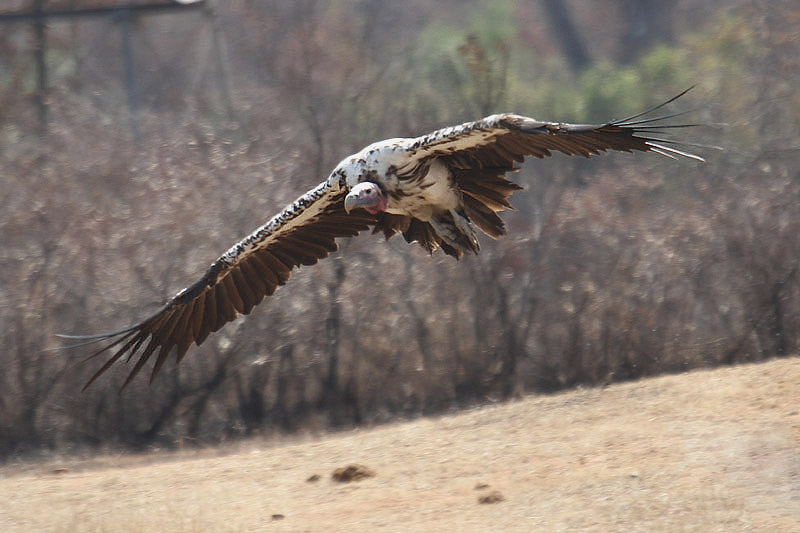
(436, 190)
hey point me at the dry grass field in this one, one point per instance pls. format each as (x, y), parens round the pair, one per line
(713, 450)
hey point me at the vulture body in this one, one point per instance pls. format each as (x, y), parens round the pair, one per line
(435, 190)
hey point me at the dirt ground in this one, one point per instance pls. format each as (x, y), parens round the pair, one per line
(715, 450)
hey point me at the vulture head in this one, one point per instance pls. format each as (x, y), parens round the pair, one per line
(366, 195)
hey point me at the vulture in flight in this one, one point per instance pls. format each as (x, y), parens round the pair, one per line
(436, 190)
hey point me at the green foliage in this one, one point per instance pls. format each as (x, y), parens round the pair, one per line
(734, 43)
(540, 85)
(665, 66)
(494, 22)
(469, 62)
(608, 87)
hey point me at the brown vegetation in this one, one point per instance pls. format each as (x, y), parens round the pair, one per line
(710, 450)
(615, 268)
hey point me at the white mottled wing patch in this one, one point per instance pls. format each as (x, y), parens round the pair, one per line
(302, 210)
(463, 137)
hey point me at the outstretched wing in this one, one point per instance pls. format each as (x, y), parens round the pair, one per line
(480, 153)
(301, 234)
(498, 141)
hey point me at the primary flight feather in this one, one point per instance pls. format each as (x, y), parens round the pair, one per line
(434, 190)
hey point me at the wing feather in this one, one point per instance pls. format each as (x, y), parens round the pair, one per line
(209, 315)
(244, 289)
(225, 311)
(267, 274)
(240, 279)
(258, 286)
(501, 140)
(199, 316)
(185, 329)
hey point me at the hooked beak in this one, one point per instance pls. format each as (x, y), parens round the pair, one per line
(365, 195)
(352, 201)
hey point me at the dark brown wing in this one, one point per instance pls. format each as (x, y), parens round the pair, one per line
(481, 153)
(498, 141)
(303, 233)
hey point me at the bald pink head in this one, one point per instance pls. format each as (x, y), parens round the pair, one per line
(366, 195)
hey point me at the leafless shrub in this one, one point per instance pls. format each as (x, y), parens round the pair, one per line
(613, 269)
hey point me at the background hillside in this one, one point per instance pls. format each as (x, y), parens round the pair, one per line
(711, 450)
(135, 149)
